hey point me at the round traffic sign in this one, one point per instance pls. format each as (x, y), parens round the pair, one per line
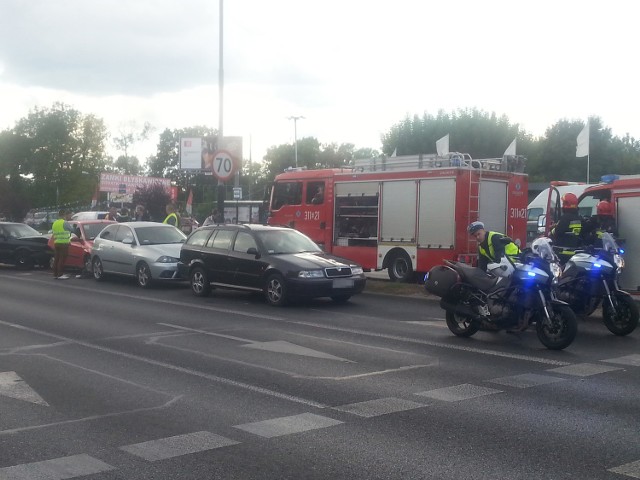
(224, 166)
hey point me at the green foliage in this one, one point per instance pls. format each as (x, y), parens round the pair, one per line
(154, 198)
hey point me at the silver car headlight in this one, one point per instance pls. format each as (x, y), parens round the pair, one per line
(311, 274)
(167, 259)
(356, 270)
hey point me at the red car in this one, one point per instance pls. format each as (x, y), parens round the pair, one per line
(81, 242)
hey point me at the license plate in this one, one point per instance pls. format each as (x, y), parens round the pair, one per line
(342, 283)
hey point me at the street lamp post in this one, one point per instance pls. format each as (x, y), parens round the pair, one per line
(295, 136)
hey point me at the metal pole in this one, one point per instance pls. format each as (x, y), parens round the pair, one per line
(221, 187)
(295, 136)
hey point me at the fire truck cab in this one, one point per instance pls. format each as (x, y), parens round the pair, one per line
(623, 191)
(407, 213)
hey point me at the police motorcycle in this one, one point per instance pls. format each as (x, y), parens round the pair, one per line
(590, 279)
(511, 296)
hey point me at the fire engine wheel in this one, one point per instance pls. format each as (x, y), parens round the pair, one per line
(624, 319)
(460, 325)
(400, 268)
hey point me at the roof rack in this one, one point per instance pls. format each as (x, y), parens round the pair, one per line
(507, 163)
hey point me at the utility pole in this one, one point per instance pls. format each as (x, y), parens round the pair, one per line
(295, 136)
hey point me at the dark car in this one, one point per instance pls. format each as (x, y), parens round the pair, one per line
(281, 262)
(23, 246)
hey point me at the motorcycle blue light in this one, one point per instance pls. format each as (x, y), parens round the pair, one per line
(531, 274)
(597, 265)
(620, 251)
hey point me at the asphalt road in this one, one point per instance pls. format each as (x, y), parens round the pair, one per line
(109, 381)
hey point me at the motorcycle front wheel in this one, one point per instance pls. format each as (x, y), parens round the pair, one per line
(461, 325)
(560, 330)
(624, 319)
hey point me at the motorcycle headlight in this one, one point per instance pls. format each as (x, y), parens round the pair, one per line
(556, 270)
(619, 261)
(167, 259)
(310, 274)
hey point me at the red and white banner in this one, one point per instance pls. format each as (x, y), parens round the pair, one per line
(115, 183)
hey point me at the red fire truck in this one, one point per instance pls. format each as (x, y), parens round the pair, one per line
(406, 213)
(623, 191)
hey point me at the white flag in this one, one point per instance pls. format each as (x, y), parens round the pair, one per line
(511, 149)
(582, 143)
(442, 146)
(395, 152)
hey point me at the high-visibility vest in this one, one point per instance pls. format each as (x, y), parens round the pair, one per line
(177, 221)
(60, 235)
(511, 249)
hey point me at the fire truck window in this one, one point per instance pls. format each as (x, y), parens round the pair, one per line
(287, 193)
(315, 193)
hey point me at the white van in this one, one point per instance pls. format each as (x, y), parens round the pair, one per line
(538, 205)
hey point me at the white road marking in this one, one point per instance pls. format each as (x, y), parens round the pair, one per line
(281, 346)
(56, 469)
(11, 385)
(631, 360)
(526, 380)
(176, 368)
(178, 445)
(430, 323)
(196, 306)
(276, 346)
(629, 469)
(380, 406)
(458, 392)
(583, 369)
(278, 427)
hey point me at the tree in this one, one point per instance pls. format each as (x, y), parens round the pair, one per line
(127, 165)
(154, 198)
(65, 152)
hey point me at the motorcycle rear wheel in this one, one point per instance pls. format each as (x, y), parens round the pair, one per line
(624, 319)
(461, 325)
(561, 331)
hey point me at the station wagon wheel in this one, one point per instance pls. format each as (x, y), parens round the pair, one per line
(143, 275)
(199, 280)
(98, 270)
(24, 260)
(275, 290)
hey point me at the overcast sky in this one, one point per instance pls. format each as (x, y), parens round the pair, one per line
(352, 68)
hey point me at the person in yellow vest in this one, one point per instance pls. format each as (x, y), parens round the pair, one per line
(61, 238)
(489, 248)
(172, 216)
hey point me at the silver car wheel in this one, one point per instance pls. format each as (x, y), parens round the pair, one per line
(143, 275)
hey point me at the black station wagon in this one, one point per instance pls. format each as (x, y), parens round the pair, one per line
(281, 262)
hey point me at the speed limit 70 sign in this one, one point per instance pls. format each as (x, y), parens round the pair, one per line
(224, 166)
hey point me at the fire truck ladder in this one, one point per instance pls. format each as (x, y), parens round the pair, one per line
(475, 177)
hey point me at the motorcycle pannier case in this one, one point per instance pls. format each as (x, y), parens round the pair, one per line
(440, 280)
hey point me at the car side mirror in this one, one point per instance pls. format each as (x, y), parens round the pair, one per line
(253, 251)
(542, 220)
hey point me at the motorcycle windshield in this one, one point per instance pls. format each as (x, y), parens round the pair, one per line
(608, 243)
(544, 249)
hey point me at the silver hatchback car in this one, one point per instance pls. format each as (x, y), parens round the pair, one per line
(148, 251)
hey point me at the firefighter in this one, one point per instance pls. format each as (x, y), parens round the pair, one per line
(490, 249)
(566, 233)
(600, 223)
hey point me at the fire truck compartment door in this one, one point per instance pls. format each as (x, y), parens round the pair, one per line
(493, 205)
(398, 216)
(629, 230)
(436, 221)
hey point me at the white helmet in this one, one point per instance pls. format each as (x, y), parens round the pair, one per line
(503, 269)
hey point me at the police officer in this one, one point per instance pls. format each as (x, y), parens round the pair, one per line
(172, 217)
(490, 249)
(61, 238)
